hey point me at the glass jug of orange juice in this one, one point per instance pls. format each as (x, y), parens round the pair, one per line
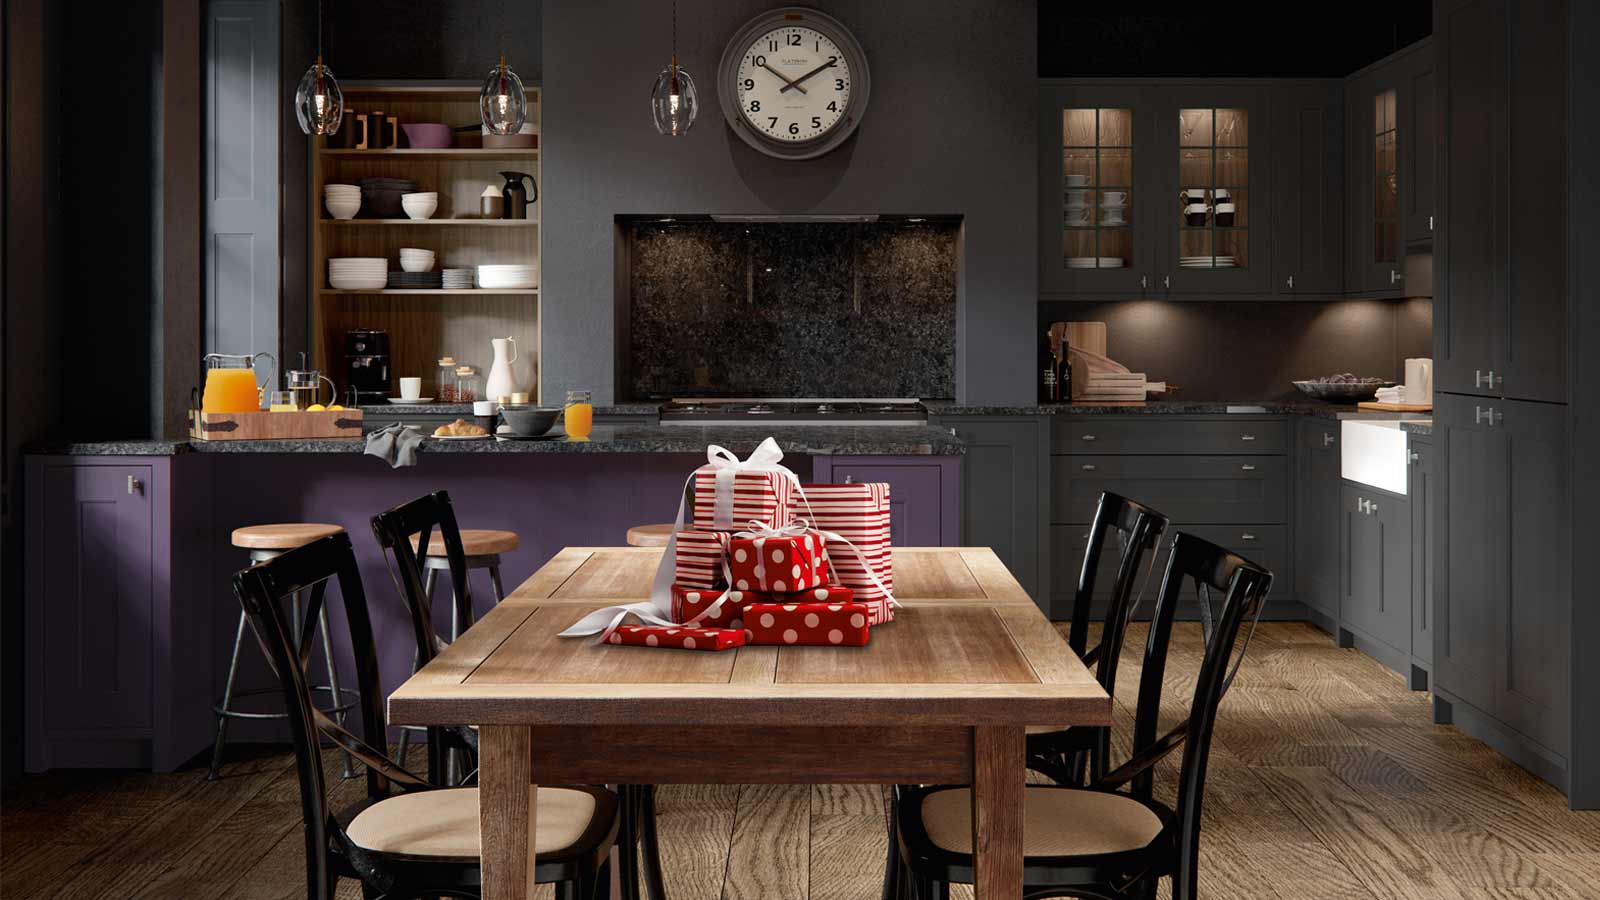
(231, 382)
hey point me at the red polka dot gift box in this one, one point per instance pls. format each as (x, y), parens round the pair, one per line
(677, 637)
(878, 611)
(780, 563)
(816, 624)
(687, 603)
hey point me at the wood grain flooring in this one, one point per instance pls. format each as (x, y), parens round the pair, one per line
(1327, 782)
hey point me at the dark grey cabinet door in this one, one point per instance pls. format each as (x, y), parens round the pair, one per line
(1376, 105)
(1005, 492)
(1470, 564)
(96, 597)
(1423, 539)
(1421, 151)
(1375, 556)
(1317, 515)
(1469, 253)
(1536, 618)
(1308, 187)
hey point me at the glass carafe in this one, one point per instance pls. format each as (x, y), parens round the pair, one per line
(231, 385)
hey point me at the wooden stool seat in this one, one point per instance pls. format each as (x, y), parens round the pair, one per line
(475, 542)
(284, 536)
(649, 535)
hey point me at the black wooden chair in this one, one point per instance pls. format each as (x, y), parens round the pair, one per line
(1101, 841)
(1061, 754)
(407, 839)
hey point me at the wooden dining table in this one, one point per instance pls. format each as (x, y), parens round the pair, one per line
(940, 695)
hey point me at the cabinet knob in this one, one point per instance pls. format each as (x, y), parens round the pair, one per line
(1247, 468)
(1088, 467)
(849, 479)
(1372, 508)
(134, 486)
(1326, 439)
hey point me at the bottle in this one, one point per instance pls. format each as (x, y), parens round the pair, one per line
(1047, 370)
(1064, 372)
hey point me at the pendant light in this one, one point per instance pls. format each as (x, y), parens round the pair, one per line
(502, 103)
(318, 102)
(673, 102)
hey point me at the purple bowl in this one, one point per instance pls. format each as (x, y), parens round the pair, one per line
(426, 135)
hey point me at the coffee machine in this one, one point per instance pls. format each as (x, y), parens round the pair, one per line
(366, 353)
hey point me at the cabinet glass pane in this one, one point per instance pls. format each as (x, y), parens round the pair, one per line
(1097, 188)
(1386, 180)
(1214, 179)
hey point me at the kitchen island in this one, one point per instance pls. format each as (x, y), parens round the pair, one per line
(130, 617)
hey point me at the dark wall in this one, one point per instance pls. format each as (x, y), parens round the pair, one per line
(394, 39)
(950, 129)
(1252, 351)
(1243, 38)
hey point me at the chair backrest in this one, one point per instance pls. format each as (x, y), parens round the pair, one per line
(1138, 528)
(394, 529)
(263, 589)
(1243, 586)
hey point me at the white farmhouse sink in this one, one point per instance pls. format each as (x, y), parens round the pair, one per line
(1373, 452)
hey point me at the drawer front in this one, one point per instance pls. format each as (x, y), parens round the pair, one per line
(1216, 489)
(1095, 435)
(1266, 545)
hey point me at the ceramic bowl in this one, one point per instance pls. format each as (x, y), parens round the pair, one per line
(529, 421)
(426, 135)
(344, 209)
(415, 260)
(419, 206)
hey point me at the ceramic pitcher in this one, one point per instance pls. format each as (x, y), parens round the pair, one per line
(501, 382)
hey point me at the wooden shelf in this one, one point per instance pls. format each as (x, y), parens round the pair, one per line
(471, 223)
(451, 153)
(461, 292)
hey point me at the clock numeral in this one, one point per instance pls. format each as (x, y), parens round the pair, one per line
(749, 84)
(838, 84)
(755, 106)
(833, 106)
(833, 60)
(772, 46)
(772, 121)
(794, 40)
(758, 61)
(818, 47)
(794, 127)
(816, 121)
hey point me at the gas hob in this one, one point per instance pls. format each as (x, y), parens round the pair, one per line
(792, 411)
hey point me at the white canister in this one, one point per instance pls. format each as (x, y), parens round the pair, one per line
(1419, 380)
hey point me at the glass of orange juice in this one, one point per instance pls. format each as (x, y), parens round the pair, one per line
(579, 414)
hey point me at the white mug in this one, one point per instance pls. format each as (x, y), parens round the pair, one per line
(1196, 209)
(1223, 208)
(1077, 180)
(484, 407)
(411, 389)
(1114, 198)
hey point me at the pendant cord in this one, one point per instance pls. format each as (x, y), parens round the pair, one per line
(319, 29)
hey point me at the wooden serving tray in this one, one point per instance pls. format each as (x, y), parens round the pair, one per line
(1375, 406)
(275, 426)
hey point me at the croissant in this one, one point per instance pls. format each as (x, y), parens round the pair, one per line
(460, 428)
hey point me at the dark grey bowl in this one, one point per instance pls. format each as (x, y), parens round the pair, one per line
(1346, 391)
(529, 421)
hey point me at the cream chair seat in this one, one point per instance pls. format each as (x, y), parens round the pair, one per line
(443, 824)
(1056, 822)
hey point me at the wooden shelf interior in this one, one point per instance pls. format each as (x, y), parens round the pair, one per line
(424, 325)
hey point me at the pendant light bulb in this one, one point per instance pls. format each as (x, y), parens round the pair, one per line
(502, 103)
(673, 101)
(318, 102)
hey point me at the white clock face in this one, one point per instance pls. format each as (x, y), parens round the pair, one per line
(793, 84)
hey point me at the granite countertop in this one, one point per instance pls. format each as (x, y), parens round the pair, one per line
(464, 410)
(1422, 427)
(878, 440)
(1290, 407)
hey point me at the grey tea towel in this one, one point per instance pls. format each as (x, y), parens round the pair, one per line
(395, 444)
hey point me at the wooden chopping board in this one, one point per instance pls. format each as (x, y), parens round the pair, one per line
(1375, 406)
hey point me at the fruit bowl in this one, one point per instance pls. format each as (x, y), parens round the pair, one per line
(1342, 388)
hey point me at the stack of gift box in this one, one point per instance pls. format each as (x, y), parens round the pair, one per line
(806, 564)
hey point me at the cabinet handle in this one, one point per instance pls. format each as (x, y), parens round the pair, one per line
(1372, 508)
(134, 487)
(1326, 439)
(1144, 282)
(1482, 416)
(1166, 282)
(1412, 455)
(1247, 536)
(1088, 467)
(1247, 437)
(1477, 378)
(1430, 223)
(1395, 276)
(1365, 506)
(1247, 468)
(1495, 380)
(849, 479)
(1290, 285)
(1087, 437)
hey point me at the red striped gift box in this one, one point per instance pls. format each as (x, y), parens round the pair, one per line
(858, 513)
(699, 560)
(757, 497)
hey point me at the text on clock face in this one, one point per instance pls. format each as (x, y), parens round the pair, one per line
(793, 84)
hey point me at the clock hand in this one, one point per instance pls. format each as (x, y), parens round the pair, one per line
(796, 83)
(781, 77)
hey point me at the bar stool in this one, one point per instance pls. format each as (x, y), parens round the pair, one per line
(482, 547)
(265, 542)
(650, 535)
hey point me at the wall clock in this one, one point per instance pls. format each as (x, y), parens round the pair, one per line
(793, 83)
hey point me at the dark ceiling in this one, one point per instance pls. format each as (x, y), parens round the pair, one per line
(1240, 38)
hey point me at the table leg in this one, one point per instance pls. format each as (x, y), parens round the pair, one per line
(505, 821)
(997, 786)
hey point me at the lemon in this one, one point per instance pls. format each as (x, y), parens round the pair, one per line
(316, 407)
(334, 406)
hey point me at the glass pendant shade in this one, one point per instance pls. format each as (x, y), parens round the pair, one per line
(318, 102)
(673, 101)
(502, 102)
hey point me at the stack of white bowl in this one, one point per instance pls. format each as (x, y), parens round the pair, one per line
(505, 277)
(415, 260)
(343, 200)
(358, 273)
(420, 206)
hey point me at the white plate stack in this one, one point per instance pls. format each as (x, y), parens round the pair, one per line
(1206, 262)
(505, 277)
(457, 279)
(343, 200)
(413, 259)
(1094, 262)
(358, 273)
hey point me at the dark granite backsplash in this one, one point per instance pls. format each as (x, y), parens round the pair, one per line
(791, 310)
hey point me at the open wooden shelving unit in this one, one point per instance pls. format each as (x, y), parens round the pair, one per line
(426, 324)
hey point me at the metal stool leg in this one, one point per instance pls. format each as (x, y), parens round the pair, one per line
(227, 698)
(333, 680)
(499, 589)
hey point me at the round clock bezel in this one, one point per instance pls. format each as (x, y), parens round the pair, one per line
(854, 57)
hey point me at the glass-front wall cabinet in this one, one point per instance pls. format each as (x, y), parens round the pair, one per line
(1097, 188)
(1213, 203)
(1386, 181)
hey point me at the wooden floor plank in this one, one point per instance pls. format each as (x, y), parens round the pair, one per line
(770, 854)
